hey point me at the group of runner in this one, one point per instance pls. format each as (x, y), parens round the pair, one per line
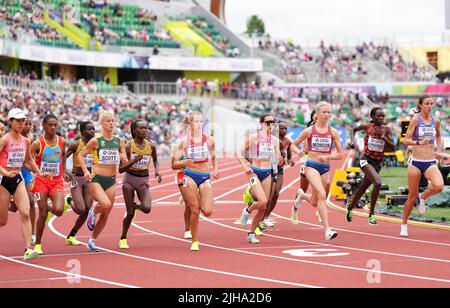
(98, 158)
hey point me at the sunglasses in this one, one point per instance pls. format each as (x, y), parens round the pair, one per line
(269, 122)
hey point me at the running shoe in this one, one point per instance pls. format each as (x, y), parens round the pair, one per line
(373, 220)
(92, 247)
(30, 254)
(299, 199)
(262, 227)
(259, 232)
(195, 246)
(248, 197)
(330, 234)
(244, 217)
(268, 223)
(72, 241)
(252, 239)
(67, 202)
(188, 235)
(33, 239)
(294, 216)
(38, 249)
(91, 220)
(349, 215)
(404, 231)
(422, 207)
(123, 244)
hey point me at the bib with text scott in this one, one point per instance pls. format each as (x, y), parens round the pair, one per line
(109, 157)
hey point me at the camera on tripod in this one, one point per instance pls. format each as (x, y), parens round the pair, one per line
(350, 187)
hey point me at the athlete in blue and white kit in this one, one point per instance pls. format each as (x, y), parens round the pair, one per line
(424, 133)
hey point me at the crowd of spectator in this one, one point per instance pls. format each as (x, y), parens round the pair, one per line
(337, 64)
(222, 42)
(25, 23)
(162, 117)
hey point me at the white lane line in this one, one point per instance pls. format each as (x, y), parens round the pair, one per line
(68, 274)
(52, 228)
(295, 260)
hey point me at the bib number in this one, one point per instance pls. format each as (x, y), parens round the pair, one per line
(253, 181)
(50, 168)
(209, 183)
(303, 169)
(109, 157)
(363, 163)
(73, 184)
(142, 164)
(410, 161)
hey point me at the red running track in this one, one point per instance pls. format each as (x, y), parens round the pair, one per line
(288, 256)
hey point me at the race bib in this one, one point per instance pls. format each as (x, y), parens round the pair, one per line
(142, 164)
(109, 157)
(16, 158)
(427, 132)
(89, 161)
(198, 153)
(322, 145)
(209, 183)
(51, 168)
(253, 181)
(303, 169)
(185, 182)
(410, 161)
(376, 145)
(266, 151)
(363, 163)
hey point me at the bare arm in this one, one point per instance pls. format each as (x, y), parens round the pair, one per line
(389, 139)
(66, 175)
(338, 155)
(214, 158)
(126, 167)
(3, 143)
(438, 136)
(123, 153)
(409, 134)
(155, 162)
(89, 148)
(178, 164)
(72, 149)
(29, 159)
(354, 131)
(243, 150)
(303, 136)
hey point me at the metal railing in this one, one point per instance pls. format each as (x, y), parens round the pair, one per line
(217, 91)
(60, 86)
